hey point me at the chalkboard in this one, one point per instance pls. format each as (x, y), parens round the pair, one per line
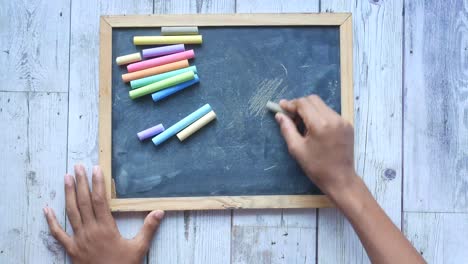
(242, 152)
(240, 160)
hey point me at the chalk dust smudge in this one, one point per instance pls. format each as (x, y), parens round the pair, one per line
(267, 90)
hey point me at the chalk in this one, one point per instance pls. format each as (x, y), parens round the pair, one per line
(195, 126)
(157, 96)
(154, 87)
(163, 40)
(150, 132)
(158, 77)
(126, 59)
(174, 129)
(174, 31)
(138, 66)
(160, 51)
(276, 108)
(155, 70)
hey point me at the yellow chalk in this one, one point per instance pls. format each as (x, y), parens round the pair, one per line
(195, 126)
(163, 40)
(126, 59)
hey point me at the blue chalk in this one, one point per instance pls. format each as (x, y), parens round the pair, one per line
(174, 129)
(159, 95)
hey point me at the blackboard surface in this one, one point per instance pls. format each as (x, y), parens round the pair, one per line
(242, 152)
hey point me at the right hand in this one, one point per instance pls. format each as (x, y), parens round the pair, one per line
(325, 151)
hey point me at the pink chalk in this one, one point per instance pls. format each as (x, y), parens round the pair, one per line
(138, 66)
(150, 132)
(160, 51)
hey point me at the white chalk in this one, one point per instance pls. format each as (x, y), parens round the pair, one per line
(126, 59)
(195, 126)
(276, 108)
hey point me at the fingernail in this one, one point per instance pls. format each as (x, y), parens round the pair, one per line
(278, 117)
(158, 214)
(46, 210)
(68, 180)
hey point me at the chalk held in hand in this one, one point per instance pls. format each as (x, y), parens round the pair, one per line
(126, 59)
(156, 78)
(276, 108)
(157, 96)
(160, 51)
(150, 132)
(176, 31)
(155, 70)
(163, 40)
(174, 129)
(197, 125)
(154, 87)
(138, 66)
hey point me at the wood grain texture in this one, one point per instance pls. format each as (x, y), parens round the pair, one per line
(438, 237)
(32, 162)
(436, 106)
(201, 236)
(377, 49)
(274, 235)
(34, 40)
(84, 69)
(207, 20)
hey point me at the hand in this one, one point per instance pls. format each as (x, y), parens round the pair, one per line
(96, 238)
(325, 151)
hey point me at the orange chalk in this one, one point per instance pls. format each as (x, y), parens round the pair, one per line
(155, 70)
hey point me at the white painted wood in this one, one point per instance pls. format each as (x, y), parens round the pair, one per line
(34, 40)
(274, 236)
(32, 162)
(377, 27)
(197, 236)
(277, 6)
(84, 74)
(436, 106)
(438, 237)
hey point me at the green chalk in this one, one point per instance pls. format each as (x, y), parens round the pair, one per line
(156, 78)
(163, 84)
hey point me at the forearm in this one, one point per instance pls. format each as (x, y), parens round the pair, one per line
(383, 242)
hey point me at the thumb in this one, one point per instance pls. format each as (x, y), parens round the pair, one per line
(289, 131)
(150, 226)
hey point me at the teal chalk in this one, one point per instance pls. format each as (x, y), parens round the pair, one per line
(174, 129)
(156, 78)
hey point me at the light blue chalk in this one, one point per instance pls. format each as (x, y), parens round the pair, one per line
(174, 129)
(174, 89)
(156, 78)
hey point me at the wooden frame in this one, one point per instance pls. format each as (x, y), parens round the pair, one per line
(343, 20)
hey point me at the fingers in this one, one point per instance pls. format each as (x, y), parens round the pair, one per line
(98, 196)
(291, 135)
(72, 207)
(56, 230)
(151, 224)
(83, 195)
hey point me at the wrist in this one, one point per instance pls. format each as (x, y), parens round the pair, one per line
(348, 193)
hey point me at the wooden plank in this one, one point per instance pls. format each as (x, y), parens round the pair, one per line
(378, 121)
(83, 108)
(32, 162)
(34, 41)
(206, 236)
(435, 107)
(220, 202)
(274, 235)
(438, 237)
(228, 20)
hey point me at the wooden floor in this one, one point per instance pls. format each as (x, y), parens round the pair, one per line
(411, 121)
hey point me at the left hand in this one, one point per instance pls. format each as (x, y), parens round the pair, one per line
(96, 238)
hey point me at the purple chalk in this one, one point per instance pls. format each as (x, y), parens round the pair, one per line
(165, 50)
(150, 132)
